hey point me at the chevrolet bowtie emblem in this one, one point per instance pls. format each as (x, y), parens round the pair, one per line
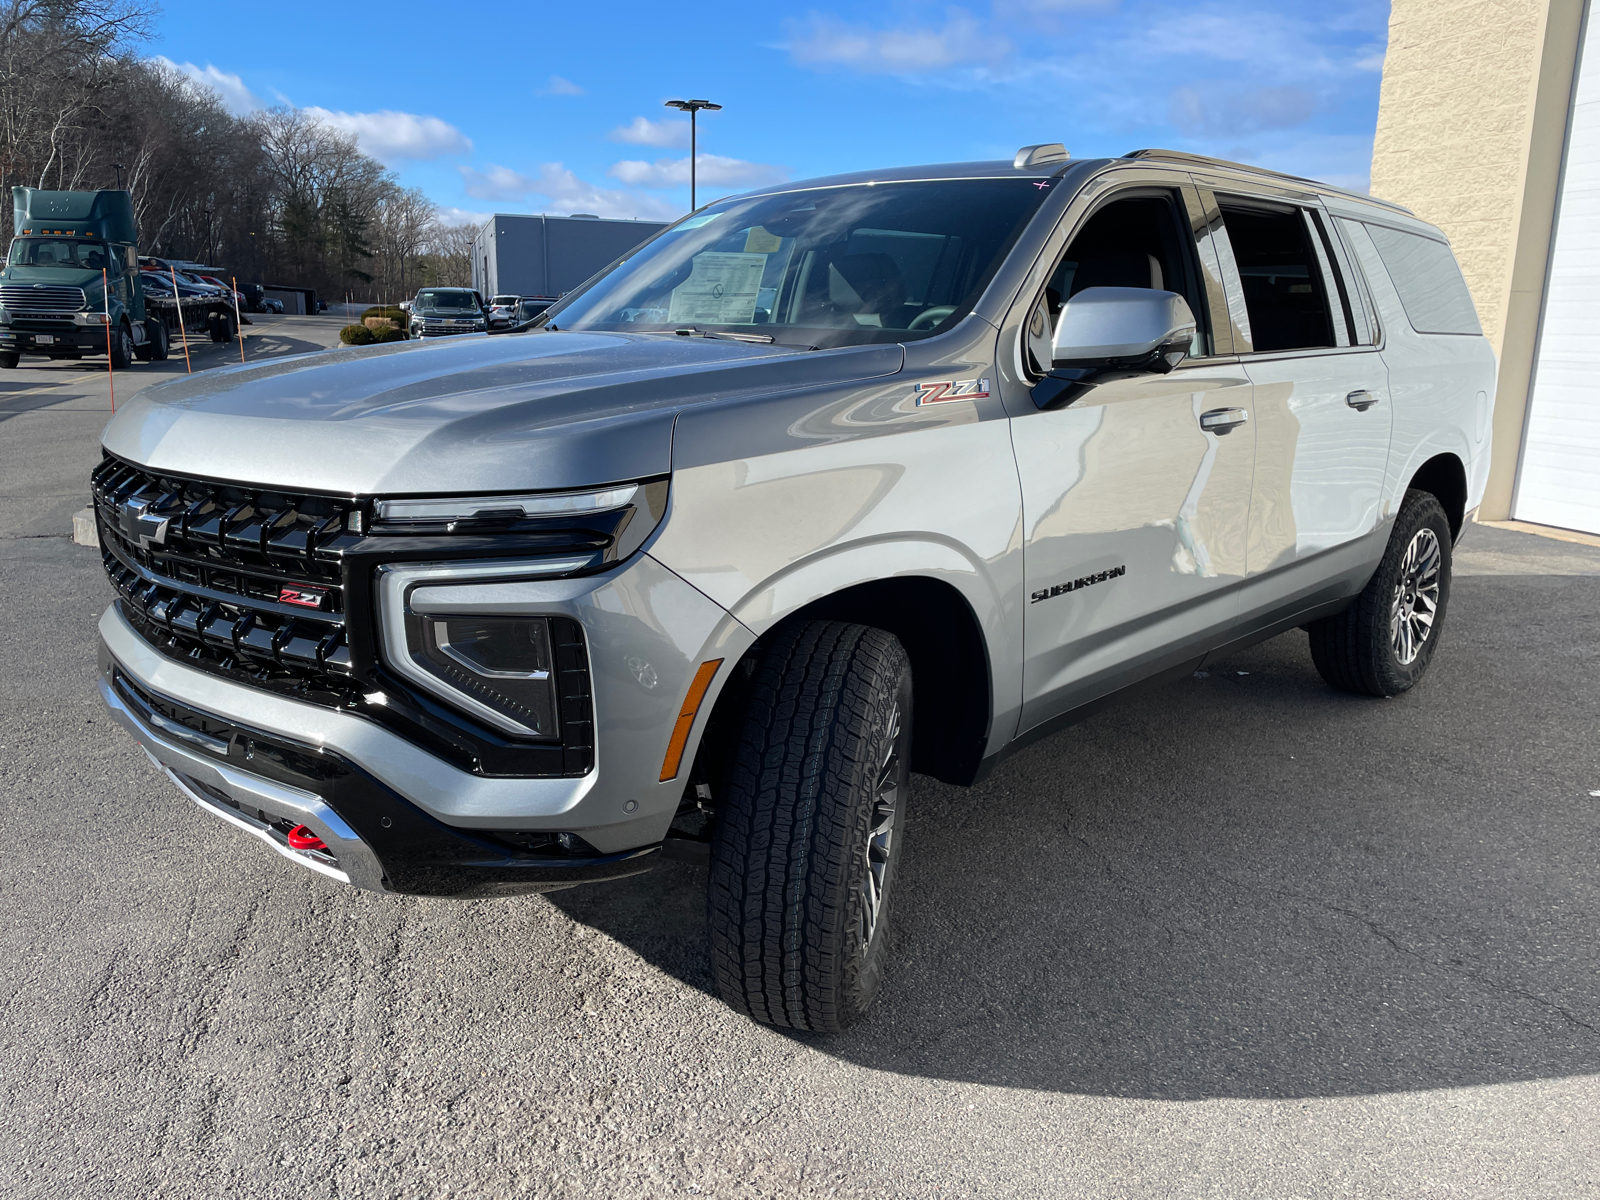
(142, 526)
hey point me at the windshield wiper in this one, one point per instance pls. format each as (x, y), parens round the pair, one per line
(762, 338)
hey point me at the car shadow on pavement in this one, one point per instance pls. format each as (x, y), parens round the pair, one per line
(1248, 885)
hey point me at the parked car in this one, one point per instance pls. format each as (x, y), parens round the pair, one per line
(830, 482)
(529, 309)
(441, 311)
(503, 312)
(272, 304)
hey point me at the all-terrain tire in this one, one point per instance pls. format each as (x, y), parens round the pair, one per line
(1382, 644)
(809, 823)
(9, 360)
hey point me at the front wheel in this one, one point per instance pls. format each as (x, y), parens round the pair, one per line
(1382, 644)
(121, 349)
(9, 360)
(809, 825)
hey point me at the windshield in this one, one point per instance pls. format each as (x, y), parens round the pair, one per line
(447, 300)
(76, 253)
(825, 267)
(503, 301)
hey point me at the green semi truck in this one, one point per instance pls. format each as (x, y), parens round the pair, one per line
(71, 284)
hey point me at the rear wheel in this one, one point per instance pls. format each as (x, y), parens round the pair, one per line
(809, 827)
(154, 348)
(1382, 644)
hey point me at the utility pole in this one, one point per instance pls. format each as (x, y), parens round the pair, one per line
(118, 168)
(692, 107)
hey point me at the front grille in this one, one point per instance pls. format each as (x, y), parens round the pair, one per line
(47, 298)
(204, 571)
(208, 572)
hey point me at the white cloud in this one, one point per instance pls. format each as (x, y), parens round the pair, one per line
(645, 132)
(462, 216)
(823, 41)
(391, 136)
(1211, 109)
(1372, 60)
(235, 96)
(561, 87)
(711, 169)
(560, 190)
(497, 183)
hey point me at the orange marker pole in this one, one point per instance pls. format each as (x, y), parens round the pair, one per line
(105, 288)
(238, 325)
(182, 332)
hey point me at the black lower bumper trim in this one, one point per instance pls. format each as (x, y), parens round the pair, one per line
(419, 854)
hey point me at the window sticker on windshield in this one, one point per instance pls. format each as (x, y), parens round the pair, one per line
(720, 290)
(759, 241)
(696, 222)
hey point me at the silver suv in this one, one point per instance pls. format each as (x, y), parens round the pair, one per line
(824, 484)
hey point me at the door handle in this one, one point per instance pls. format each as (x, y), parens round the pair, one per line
(1361, 400)
(1223, 420)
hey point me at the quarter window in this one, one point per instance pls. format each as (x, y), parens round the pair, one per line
(1285, 294)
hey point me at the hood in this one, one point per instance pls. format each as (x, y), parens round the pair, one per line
(476, 414)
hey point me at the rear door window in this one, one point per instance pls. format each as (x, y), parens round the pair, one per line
(1429, 281)
(1285, 291)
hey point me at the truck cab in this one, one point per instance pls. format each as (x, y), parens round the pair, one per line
(71, 283)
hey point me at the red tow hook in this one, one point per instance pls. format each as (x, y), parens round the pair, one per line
(301, 838)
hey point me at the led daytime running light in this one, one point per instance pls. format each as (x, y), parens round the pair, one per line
(466, 508)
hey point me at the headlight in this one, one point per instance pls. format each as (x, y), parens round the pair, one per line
(503, 664)
(500, 669)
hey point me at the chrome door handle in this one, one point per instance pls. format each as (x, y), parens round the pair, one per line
(1223, 420)
(1361, 400)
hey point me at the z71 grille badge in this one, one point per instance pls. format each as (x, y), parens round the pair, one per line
(303, 596)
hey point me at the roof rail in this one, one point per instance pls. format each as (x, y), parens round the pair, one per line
(1183, 156)
(1041, 155)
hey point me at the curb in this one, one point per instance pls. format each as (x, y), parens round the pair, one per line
(84, 531)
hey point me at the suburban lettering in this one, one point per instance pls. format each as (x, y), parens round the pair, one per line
(1087, 580)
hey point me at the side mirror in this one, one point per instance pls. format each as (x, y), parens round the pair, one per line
(1137, 329)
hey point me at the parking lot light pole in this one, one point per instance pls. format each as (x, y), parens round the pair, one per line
(692, 107)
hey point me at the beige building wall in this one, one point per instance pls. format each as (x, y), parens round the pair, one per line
(1471, 124)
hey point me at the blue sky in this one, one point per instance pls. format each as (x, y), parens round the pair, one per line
(558, 107)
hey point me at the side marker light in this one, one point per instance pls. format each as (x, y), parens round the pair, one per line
(686, 715)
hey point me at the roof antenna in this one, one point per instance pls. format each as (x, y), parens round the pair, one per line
(1040, 156)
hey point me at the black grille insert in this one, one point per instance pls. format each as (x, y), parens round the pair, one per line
(245, 580)
(273, 589)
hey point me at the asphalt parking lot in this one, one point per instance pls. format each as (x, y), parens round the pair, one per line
(1242, 936)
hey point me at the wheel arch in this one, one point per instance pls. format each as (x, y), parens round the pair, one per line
(1445, 477)
(952, 679)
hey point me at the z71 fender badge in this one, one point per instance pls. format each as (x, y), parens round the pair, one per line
(951, 389)
(1088, 580)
